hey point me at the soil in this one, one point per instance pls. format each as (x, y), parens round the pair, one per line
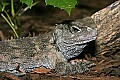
(41, 18)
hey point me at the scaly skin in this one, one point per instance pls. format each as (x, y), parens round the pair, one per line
(51, 50)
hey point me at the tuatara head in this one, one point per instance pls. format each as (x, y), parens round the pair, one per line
(71, 38)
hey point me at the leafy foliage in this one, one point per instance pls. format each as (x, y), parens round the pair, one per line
(28, 2)
(63, 4)
(10, 15)
(3, 5)
(68, 5)
(11, 20)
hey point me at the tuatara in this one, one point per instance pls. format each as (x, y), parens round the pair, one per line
(51, 50)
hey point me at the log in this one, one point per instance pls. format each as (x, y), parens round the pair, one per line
(108, 25)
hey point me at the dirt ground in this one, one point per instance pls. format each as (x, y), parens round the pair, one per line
(41, 18)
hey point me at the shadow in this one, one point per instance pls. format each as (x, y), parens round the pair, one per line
(89, 50)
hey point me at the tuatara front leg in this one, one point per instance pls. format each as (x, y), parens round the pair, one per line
(65, 68)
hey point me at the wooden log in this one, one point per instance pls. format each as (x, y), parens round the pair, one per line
(108, 25)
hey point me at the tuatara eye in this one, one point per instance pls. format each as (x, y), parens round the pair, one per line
(75, 29)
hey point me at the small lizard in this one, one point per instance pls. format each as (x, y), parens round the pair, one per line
(50, 50)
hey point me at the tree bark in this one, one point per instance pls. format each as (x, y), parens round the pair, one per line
(108, 25)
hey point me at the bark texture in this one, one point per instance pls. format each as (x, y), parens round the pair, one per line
(108, 25)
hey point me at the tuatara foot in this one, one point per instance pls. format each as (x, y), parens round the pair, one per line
(64, 68)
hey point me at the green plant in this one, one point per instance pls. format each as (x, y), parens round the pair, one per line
(63, 4)
(7, 18)
(11, 16)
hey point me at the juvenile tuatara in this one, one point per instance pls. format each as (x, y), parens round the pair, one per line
(50, 50)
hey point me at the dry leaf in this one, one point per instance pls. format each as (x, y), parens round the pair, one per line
(41, 70)
(10, 77)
